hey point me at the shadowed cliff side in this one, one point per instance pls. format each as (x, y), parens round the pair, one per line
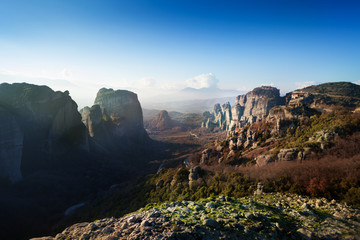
(36, 125)
(115, 120)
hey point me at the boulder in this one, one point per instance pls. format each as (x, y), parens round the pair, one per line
(233, 143)
(289, 154)
(194, 173)
(205, 156)
(263, 160)
(212, 223)
(260, 189)
(302, 155)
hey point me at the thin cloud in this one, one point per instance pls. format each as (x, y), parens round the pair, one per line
(148, 82)
(66, 73)
(171, 86)
(206, 80)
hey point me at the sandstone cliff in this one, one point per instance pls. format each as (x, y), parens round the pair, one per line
(248, 108)
(115, 120)
(266, 101)
(35, 123)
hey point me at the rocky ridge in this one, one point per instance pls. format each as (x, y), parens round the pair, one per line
(248, 108)
(306, 115)
(266, 101)
(263, 216)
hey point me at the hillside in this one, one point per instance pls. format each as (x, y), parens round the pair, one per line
(335, 88)
(337, 94)
(264, 216)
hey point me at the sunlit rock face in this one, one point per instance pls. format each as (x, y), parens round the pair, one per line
(35, 123)
(248, 108)
(115, 119)
(259, 101)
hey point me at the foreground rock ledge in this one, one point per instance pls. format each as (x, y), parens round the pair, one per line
(267, 216)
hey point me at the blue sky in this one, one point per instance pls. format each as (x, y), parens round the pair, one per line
(153, 47)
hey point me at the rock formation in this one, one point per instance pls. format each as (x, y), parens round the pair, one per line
(35, 123)
(248, 108)
(266, 101)
(162, 121)
(115, 120)
(322, 96)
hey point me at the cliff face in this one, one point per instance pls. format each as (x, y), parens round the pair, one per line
(33, 124)
(115, 119)
(266, 101)
(314, 99)
(259, 101)
(247, 108)
(162, 121)
(11, 144)
(123, 107)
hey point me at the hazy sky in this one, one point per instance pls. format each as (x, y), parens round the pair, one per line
(155, 46)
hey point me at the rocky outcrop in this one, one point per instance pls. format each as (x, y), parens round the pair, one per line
(205, 156)
(162, 121)
(122, 106)
(227, 218)
(115, 120)
(35, 123)
(92, 118)
(194, 173)
(290, 112)
(266, 101)
(327, 95)
(289, 154)
(263, 160)
(259, 101)
(248, 108)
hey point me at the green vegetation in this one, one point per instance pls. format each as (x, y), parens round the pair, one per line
(335, 123)
(343, 94)
(264, 216)
(287, 214)
(335, 88)
(327, 178)
(176, 187)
